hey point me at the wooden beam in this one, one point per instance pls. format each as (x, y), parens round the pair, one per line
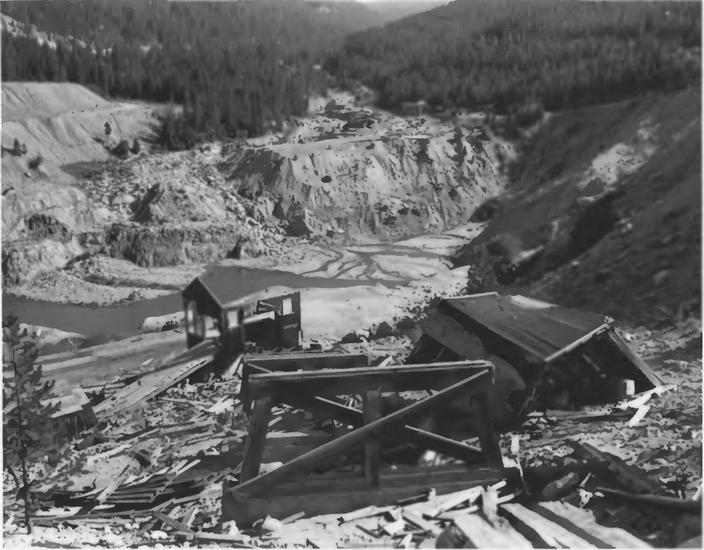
(330, 408)
(371, 410)
(590, 537)
(443, 445)
(262, 483)
(308, 360)
(481, 534)
(245, 509)
(401, 477)
(635, 359)
(485, 426)
(655, 500)
(578, 342)
(580, 519)
(287, 362)
(553, 534)
(254, 447)
(331, 382)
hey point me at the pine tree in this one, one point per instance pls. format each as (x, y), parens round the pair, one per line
(27, 432)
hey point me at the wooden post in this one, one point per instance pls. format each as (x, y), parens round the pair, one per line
(256, 438)
(487, 435)
(372, 448)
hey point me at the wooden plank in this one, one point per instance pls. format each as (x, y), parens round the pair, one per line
(308, 360)
(591, 535)
(485, 425)
(655, 500)
(578, 342)
(614, 537)
(418, 521)
(331, 382)
(171, 522)
(478, 381)
(442, 444)
(245, 509)
(254, 447)
(481, 534)
(245, 392)
(451, 334)
(438, 506)
(416, 477)
(323, 407)
(637, 361)
(372, 447)
(150, 385)
(553, 534)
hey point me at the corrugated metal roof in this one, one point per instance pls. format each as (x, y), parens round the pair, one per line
(538, 327)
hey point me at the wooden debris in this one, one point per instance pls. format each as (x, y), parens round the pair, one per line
(366, 512)
(394, 527)
(447, 503)
(421, 523)
(535, 527)
(482, 534)
(582, 523)
(657, 500)
(638, 416)
(629, 476)
(293, 517)
(405, 541)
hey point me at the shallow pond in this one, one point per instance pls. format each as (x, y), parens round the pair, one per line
(227, 282)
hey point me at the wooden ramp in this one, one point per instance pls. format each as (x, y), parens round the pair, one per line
(154, 383)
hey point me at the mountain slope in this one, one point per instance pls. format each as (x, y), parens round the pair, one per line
(507, 54)
(63, 123)
(604, 210)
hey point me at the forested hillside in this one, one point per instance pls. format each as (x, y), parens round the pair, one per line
(509, 53)
(232, 65)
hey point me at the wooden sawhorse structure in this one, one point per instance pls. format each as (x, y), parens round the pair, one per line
(278, 494)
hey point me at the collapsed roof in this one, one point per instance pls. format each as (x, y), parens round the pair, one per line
(529, 334)
(543, 329)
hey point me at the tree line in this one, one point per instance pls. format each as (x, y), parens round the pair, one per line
(230, 66)
(507, 53)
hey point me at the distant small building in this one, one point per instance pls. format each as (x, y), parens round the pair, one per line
(232, 321)
(414, 108)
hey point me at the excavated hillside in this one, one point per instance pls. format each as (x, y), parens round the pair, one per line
(65, 124)
(604, 210)
(345, 174)
(389, 179)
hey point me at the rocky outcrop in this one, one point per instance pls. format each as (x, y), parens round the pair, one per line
(169, 244)
(166, 202)
(24, 260)
(399, 179)
(67, 205)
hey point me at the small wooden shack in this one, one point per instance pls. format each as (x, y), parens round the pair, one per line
(565, 357)
(271, 323)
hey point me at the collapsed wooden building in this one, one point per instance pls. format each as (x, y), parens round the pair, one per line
(545, 355)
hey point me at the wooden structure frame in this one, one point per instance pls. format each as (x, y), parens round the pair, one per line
(276, 493)
(293, 361)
